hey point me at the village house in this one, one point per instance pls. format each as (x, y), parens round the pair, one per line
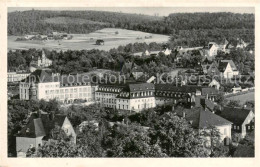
(211, 50)
(37, 132)
(227, 69)
(210, 69)
(202, 118)
(242, 119)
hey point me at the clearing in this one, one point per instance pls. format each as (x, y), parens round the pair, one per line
(87, 41)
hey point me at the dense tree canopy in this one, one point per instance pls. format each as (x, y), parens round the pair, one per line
(39, 21)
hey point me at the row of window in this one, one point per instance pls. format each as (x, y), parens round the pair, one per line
(75, 90)
(109, 89)
(80, 95)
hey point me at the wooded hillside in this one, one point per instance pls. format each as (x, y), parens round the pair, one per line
(88, 21)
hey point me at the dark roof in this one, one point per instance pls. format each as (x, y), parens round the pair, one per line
(41, 76)
(222, 66)
(174, 88)
(202, 118)
(140, 87)
(33, 129)
(41, 125)
(235, 115)
(232, 64)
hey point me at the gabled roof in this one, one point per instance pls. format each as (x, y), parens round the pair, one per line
(232, 64)
(41, 125)
(234, 115)
(33, 129)
(201, 118)
(222, 66)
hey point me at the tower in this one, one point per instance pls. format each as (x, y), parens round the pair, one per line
(32, 92)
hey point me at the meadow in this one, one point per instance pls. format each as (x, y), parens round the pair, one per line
(243, 97)
(113, 37)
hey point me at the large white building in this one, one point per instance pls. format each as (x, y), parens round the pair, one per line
(43, 84)
(132, 96)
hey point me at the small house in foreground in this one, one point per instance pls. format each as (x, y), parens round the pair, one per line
(38, 131)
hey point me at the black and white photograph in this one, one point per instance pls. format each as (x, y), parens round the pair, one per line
(130, 82)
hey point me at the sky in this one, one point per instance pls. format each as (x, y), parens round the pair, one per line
(161, 11)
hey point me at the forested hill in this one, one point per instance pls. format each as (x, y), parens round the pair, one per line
(89, 21)
(73, 21)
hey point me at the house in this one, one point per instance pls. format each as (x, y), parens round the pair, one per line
(227, 69)
(86, 123)
(208, 81)
(210, 69)
(242, 119)
(167, 51)
(100, 42)
(222, 45)
(240, 43)
(237, 88)
(211, 50)
(202, 119)
(214, 83)
(37, 131)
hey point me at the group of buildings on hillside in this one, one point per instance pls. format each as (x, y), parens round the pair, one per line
(130, 96)
(134, 97)
(210, 50)
(50, 36)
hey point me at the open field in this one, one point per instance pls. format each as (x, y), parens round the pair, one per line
(244, 97)
(87, 41)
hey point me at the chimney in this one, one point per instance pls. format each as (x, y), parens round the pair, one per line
(203, 103)
(39, 113)
(183, 114)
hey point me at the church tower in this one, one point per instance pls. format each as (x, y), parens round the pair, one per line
(32, 92)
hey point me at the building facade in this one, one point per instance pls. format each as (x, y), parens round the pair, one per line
(16, 77)
(48, 86)
(131, 97)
